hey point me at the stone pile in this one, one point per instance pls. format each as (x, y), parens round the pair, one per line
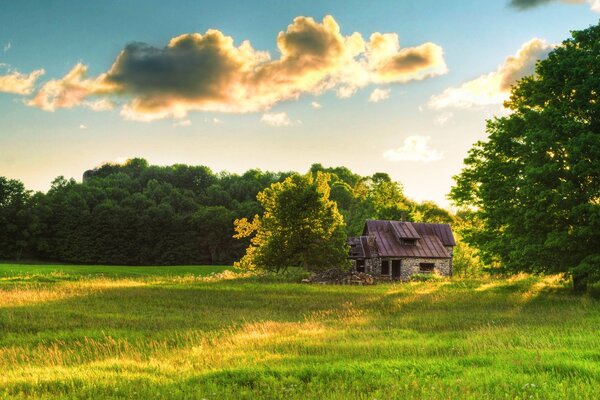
(335, 276)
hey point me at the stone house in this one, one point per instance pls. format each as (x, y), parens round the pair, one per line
(395, 250)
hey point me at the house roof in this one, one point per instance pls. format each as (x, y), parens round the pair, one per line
(359, 247)
(396, 238)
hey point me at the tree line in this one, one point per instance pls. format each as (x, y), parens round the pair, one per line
(140, 214)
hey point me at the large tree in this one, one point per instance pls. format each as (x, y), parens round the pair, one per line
(535, 183)
(300, 226)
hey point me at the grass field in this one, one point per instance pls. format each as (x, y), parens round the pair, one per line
(99, 332)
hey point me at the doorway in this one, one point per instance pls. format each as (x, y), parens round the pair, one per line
(396, 269)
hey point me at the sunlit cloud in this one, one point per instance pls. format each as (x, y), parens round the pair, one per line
(315, 104)
(388, 62)
(378, 95)
(7, 47)
(414, 148)
(70, 91)
(525, 4)
(494, 88)
(209, 72)
(18, 83)
(276, 119)
(82, 126)
(99, 105)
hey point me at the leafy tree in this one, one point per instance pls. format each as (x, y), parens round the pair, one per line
(17, 223)
(300, 226)
(535, 184)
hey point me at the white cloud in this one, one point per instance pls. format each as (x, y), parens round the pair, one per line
(314, 104)
(344, 92)
(443, 118)
(494, 88)
(7, 46)
(378, 95)
(415, 148)
(99, 105)
(185, 122)
(82, 126)
(276, 119)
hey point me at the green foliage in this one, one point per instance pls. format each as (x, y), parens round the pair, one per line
(535, 184)
(93, 332)
(300, 227)
(135, 213)
(17, 223)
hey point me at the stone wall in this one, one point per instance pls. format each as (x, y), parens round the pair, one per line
(409, 266)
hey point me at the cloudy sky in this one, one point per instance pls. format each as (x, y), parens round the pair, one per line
(402, 87)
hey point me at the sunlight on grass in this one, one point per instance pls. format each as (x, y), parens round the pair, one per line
(232, 335)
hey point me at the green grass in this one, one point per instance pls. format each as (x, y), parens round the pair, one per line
(98, 332)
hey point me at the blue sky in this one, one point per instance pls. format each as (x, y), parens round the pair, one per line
(422, 118)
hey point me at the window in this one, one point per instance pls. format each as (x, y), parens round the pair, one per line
(385, 267)
(426, 268)
(360, 265)
(409, 242)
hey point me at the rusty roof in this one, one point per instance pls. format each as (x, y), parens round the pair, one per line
(409, 239)
(359, 247)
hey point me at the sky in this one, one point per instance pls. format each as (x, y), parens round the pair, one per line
(401, 87)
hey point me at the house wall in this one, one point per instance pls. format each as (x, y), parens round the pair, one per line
(410, 266)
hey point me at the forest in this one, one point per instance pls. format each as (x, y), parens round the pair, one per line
(140, 214)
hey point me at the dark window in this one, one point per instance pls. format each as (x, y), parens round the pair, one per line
(426, 267)
(360, 265)
(396, 268)
(385, 267)
(409, 242)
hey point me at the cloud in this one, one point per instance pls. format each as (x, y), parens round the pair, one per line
(184, 123)
(209, 72)
(443, 118)
(15, 82)
(82, 126)
(276, 119)
(99, 105)
(415, 148)
(70, 91)
(390, 63)
(378, 95)
(494, 88)
(315, 104)
(7, 47)
(526, 4)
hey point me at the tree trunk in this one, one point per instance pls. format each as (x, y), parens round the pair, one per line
(580, 283)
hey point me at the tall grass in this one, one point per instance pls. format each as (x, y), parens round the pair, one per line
(199, 332)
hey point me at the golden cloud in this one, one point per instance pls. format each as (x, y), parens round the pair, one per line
(70, 91)
(389, 63)
(208, 72)
(494, 88)
(15, 82)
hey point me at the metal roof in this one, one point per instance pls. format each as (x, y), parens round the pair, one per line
(409, 239)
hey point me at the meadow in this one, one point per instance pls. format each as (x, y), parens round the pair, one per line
(207, 332)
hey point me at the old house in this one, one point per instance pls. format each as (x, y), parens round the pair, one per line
(397, 250)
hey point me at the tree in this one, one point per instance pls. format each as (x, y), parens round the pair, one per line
(535, 184)
(300, 226)
(16, 219)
